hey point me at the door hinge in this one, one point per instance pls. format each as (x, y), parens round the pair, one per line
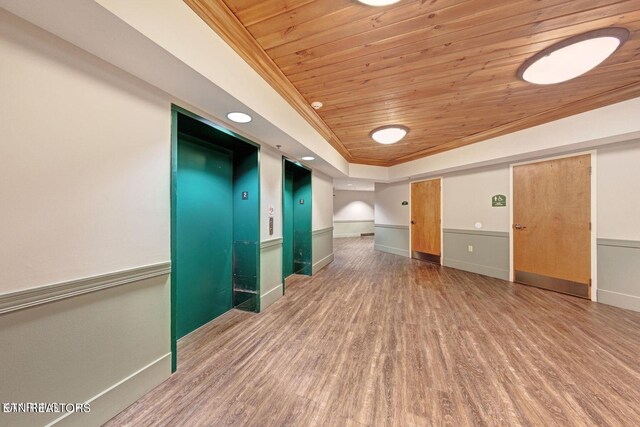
(589, 226)
(590, 170)
(589, 282)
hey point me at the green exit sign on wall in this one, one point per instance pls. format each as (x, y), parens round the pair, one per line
(499, 201)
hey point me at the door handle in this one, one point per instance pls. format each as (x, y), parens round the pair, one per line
(413, 222)
(519, 226)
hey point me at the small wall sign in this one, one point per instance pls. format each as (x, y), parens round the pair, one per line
(245, 195)
(499, 201)
(405, 203)
(270, 226)
(302, 201)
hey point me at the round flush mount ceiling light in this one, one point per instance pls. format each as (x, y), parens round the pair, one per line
(239, 117)
(308, 158)
(316, 105)
(572, 57)
(378, 2)
(389, 134)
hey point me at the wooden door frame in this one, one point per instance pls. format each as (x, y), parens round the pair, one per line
(433, 178)
(594, 210)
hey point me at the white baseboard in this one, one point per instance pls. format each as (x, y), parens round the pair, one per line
(321, 264)
(476, 268)
(630, 302)
(270, 297)
(391, 250)
(110, 402)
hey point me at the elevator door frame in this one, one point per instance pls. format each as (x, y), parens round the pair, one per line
(310, 172)
(175, 111)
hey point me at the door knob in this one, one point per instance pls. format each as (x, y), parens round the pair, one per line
(413, 222)
(519, 226)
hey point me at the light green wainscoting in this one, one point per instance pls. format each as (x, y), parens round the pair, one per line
(102, 340)
(619, 273)
(392, 238)
(490, 255)
(352, 228)
(322, 248)
(270, 272)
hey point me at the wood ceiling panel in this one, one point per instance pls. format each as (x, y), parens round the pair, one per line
(393, 37)
(446, 69)
(350, 23)
(251, 12)
(465, 118)
(422, 41)
(431, 63)
(441, 82)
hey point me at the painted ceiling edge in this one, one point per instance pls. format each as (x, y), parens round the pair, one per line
(217, 15)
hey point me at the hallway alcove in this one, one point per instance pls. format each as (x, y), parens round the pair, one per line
(215, 223)
(296, 208)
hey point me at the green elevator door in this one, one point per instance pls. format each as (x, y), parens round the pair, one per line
(204, 237)
(287, 240)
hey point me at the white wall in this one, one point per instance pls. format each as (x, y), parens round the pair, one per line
(618, 175)
(466, 199)
(353, 205)
(270, 192)
(85, 177)
(84, 188)
(388, 203)
(191, 40)
(322, 207)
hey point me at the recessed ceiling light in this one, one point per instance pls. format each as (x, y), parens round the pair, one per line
(389, 134)
(378, 2)
(349, 185)
(572, 57)
(308, 158)
(239, 117)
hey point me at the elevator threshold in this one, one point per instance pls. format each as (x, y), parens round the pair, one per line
(245, 291)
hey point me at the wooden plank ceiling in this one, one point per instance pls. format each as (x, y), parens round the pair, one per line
(444, 68)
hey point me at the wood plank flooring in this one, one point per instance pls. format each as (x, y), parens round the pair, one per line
(375, 339)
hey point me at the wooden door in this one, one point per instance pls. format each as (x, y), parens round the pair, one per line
(425, 220)
(552, 225)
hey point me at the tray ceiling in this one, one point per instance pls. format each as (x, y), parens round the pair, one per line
(444, 68)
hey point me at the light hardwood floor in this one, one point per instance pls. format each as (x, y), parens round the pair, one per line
(377, 339)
